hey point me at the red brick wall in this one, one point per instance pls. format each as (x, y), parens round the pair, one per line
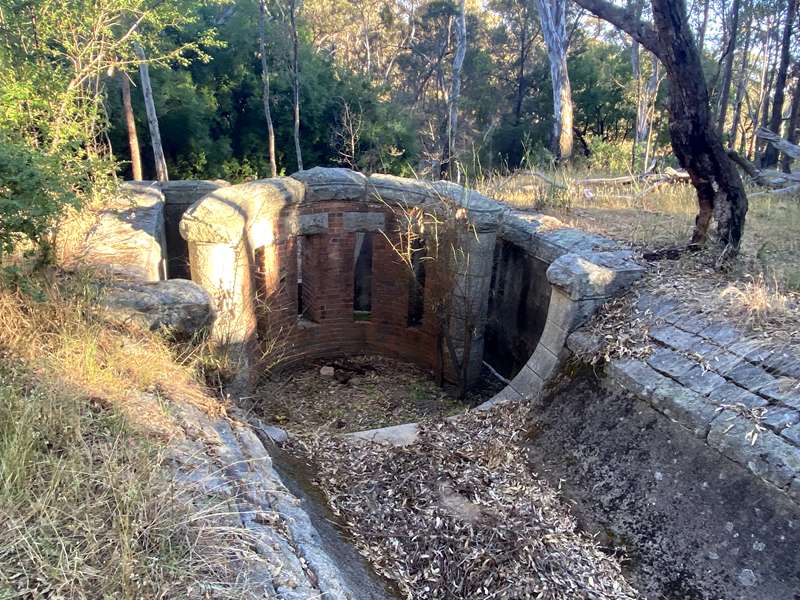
(329, 327)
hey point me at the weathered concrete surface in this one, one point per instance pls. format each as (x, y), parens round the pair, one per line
(227, 460)
(124, 238)
(695, 525)
(177, 305)
(732, 390)
(326, 183)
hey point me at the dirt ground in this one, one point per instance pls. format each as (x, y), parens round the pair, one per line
(692, 524)
(357, 393)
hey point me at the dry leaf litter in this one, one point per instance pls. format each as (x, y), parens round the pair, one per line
(460, 515)
(357, 393)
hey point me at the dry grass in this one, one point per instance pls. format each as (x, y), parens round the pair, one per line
(657, 217)
(761, 291)
(87, 509)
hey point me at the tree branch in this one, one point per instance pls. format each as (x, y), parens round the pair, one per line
(640, 31)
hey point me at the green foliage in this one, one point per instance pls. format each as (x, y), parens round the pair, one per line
(33, 191)
(609, 157)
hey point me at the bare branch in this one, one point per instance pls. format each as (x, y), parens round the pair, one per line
(640, 31)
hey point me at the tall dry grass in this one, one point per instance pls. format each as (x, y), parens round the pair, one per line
(652, 216)
(86, 508)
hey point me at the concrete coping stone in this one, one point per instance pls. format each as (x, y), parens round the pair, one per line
(332, 183)
(594, 275)
(225, 215)
(136, 194)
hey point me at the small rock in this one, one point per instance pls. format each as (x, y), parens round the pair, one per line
(327, 371)
(747, 578)
(276, 434)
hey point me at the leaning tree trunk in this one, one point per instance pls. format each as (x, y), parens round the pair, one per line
(695, 140)
(771, 154)
(130, 125)
(552, 14)
(455, 93)
(262, 47)
(727, 73)
(296, 82)
(152, 118)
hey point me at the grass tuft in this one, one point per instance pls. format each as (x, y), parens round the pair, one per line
(88, 508)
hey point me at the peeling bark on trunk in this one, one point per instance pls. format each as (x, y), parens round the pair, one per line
(695, 140)
(771, 154)
(262, 46)
(552, 14)
(152, 118)
(130, 125)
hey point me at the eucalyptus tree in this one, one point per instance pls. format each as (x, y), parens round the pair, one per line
(770, 158)
(553, 18)
(695, 140)
(265, 91)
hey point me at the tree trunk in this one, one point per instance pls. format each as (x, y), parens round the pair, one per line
(727, 73)
(152, 118)
(130, 125)
(296, 82)
(771, 154)
(695, 140)
(523, 55)
(762, 115)
(794, 122)
(741, 88)
(644, 111)
(455, 93)
(552, 14)
(701, 37)
(262, 46)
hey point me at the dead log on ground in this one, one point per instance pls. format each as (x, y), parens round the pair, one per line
(789, 149)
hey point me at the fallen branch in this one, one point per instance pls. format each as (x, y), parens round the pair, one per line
(544, 178)
(668, 175)
(787, 191)
(780, 144)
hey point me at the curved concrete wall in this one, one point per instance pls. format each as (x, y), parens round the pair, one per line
(247, 242)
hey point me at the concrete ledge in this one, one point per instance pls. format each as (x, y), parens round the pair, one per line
(227, 215)
(332, 183)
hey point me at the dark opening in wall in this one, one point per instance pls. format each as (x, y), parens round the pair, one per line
(362, 276)
(518, 303)
(416, 288)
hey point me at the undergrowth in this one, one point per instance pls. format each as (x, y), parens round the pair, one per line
(87, 509)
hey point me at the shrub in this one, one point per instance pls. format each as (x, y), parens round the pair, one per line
(32, 193)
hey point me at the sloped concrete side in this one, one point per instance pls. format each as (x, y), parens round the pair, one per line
(738, 394)
(226, 460)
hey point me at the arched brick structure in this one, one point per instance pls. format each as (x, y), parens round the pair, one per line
(306, 258)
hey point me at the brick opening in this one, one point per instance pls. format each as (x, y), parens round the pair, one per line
(362, 276)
